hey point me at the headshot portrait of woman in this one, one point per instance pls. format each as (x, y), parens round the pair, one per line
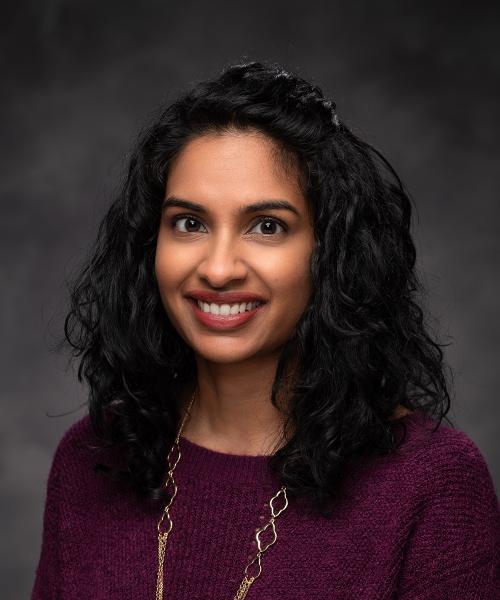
(267, 406)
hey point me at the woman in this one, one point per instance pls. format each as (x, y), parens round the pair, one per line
(266, 404)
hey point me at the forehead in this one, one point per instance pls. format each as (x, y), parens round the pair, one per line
(233, 167)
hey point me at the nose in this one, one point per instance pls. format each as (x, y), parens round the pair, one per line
(222, 261)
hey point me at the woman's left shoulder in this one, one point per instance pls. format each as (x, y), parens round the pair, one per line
(427, 453)
(441, 448)
(455, 533)
(434, 455)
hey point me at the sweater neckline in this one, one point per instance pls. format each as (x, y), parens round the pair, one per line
(235, 470)
(228, 470)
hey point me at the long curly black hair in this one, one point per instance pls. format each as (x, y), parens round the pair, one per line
(362, 345)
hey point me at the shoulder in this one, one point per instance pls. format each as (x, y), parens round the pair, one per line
(77, 438)
(455, 504)
(80, 430)
(432, 461)
(437, 452)
(454, 516)
(77, 452)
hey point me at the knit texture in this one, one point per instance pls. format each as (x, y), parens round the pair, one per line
(423, 523)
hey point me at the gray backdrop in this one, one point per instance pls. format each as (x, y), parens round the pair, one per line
(418, 80)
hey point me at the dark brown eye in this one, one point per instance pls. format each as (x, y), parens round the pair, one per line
(190, 224)
(269, 226)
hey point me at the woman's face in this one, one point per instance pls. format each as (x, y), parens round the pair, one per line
(221, 246)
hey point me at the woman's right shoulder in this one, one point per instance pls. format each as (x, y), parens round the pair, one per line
(76, 477)
(78, 450)
(77, 434)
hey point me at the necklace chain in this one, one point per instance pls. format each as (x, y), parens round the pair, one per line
(262, 546)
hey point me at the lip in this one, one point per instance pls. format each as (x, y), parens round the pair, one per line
(222, 322)
(224, 297)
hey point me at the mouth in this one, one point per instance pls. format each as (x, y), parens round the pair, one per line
(226, 308)
(225, 316)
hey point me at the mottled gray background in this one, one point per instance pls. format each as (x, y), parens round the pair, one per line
(417, 79)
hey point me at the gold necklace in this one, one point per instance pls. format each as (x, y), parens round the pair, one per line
(262, 546)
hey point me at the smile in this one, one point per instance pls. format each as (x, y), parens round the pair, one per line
(225, 316)
(226, 309)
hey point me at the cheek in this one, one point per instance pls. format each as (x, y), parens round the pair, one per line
(168, 277)
(162, 271)
(298, 287)
(168, 270)
(291, 281)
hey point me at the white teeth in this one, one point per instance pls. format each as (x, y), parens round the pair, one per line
(226, 309)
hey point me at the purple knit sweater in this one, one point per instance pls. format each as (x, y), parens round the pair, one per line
(421, 524)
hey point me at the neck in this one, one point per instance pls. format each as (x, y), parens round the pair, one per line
(232, 410)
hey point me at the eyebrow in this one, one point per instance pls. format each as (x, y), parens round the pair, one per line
(242, 210)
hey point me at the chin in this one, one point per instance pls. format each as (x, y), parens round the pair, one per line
(232, 353)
